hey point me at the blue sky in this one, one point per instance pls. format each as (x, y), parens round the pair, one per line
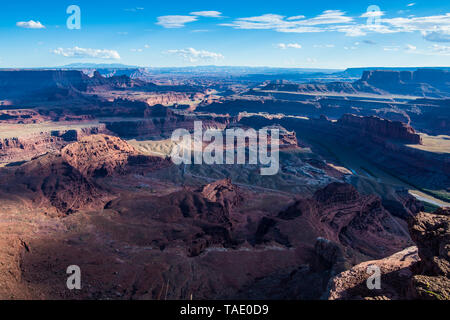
(309, 34)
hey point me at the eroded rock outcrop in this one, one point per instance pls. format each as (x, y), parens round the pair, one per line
(51, 182)
(197, 218)
(66, 180)
(102, 155)
(431, 232)
(423, 82)
(421, 272)
(26, 146)
(340, 214)
(98, 155)
(377, 128)
(223, 192)
(396, 275)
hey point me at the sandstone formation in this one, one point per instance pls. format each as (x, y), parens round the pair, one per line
(161, 122)
(340, 214)
(65, 178)
(202, 217)
(431, 233)
(423, 82)
(185, 236)
(21, 116)
(32, 82)
(382, 144)
(72, 191)
(56, 83)
(103, 155)
(379, 129)
(396, 276)
(52, 184)
(420, 272)
(30, 145)
(223, 192)
(98, 155)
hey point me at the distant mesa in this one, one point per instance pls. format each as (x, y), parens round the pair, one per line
(103, 155)
(51, 83)
(420, 83)
(423, 82)
(376, 127)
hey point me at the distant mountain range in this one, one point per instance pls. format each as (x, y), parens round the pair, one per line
(246, 73)
(420, 83)
(200, 69)
(358, 72)
(95, 66)
(70, 82)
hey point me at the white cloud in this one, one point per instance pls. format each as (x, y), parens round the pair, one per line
(372, 14)
(135, 9)
(437, 36)
(193, 55)
(30, 24)
(175, 21)
(208, 14)
(146, 46)
(351, 31)
(295, 24)
(411, 4)
(440, 50)
(422, 24)
(285, 46)
(296, 18)
(77, 52)
(391, 48)
(267, 21)
(324, 46)
(434, 50)
(328, 17)
(434, 28)
(410, 47)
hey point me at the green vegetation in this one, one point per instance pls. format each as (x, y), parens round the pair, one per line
(439, 194)
(430, 208)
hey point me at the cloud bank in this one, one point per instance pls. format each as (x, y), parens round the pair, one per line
(193, 55)
(285, 46)
(175, 21)
(208, 14)
(30, 24)
(77, 52)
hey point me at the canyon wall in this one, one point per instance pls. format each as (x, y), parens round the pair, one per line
(379, 129)
(26, 147)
